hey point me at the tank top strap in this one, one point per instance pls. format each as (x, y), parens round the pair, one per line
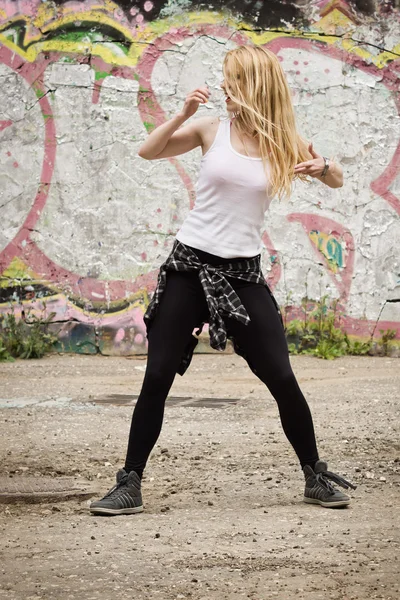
(221, 137)
(227, 130)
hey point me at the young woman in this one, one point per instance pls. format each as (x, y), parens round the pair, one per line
(213, 272)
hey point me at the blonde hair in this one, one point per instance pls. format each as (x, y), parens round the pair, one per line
(256, 82)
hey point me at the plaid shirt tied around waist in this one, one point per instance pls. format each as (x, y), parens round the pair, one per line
(222, 300)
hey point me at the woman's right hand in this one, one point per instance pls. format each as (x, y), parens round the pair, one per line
(193, 100)
(170, 139)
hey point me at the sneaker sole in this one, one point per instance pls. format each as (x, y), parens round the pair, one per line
(326, 504)
(116, 511)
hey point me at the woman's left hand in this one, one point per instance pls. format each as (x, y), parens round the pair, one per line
(313, 167)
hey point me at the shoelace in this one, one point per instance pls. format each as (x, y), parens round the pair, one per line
(322, 479)
(116, 489)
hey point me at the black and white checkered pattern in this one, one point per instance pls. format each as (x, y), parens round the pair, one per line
(222, 300)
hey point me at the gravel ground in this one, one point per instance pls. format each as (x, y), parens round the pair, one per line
(222, 491)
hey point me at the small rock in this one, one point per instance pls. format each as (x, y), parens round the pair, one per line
(157, 535)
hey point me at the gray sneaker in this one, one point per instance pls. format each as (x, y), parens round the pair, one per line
(124, 498)
(320, 491)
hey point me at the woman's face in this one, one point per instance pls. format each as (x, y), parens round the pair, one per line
(230, 104)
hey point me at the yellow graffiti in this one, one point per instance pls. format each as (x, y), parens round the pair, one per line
(34, 46)
(50, 18)
(18, 274)
(16, 270)
(387, 56)
(330, 248)
(190, 20)
(138, 300)
(329, 23)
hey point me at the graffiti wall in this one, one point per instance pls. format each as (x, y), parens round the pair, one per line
(85, 222)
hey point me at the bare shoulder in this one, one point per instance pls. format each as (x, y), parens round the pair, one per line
(206, 124)
(208, 120)
(207, 129)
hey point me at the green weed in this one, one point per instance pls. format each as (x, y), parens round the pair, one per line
(318, 333)
(27, 337)
(387, 335)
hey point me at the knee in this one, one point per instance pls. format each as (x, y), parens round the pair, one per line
(158, 377)
(283, 380)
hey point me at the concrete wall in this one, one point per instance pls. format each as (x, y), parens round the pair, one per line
(85, 222)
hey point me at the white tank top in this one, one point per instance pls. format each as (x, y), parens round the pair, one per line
(231, 200)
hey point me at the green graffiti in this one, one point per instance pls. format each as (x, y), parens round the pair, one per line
(149, 126)
(101, 75)
(330, 248)
(91, 37)
(335, 252)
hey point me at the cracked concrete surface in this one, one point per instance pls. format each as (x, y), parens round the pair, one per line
(223, 515)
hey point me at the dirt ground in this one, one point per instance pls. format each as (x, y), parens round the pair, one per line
(224, 517)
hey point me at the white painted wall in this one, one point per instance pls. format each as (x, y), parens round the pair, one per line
(112, 215)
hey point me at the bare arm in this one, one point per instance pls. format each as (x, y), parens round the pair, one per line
(334, 176)
(315, 166)
(170, 139)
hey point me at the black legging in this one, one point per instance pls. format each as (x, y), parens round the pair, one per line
(182, 307)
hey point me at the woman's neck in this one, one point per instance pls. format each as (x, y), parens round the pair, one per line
(234, 122)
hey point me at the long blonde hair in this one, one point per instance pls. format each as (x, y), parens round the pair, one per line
(256, 82)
